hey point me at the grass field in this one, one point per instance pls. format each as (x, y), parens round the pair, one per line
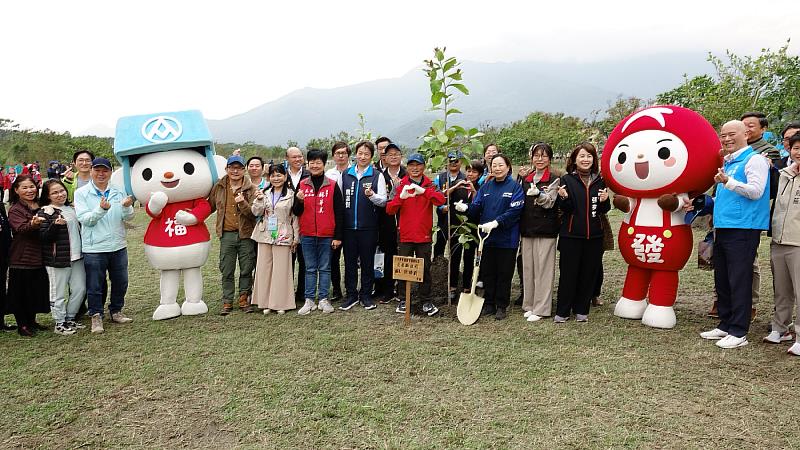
(360, 379)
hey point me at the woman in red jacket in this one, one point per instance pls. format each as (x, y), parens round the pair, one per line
(27, 279)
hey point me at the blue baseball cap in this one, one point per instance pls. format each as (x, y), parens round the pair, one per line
(417, 158)
(454, 155)
(235, 159)
(97, 162)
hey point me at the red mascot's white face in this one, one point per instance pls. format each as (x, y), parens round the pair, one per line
(661, 150)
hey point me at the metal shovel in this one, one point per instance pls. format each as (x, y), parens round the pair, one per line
(469, 303)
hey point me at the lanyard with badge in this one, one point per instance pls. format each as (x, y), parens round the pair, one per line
(272, 220)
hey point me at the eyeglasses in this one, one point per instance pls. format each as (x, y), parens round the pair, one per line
(540, 157)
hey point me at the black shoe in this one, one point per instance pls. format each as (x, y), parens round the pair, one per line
(337, 295)
(39, 327)
(501, 314)
(488, 310)
(401, 308)
(4, 327)
(430, 309)
(25, 331)
(348, 304)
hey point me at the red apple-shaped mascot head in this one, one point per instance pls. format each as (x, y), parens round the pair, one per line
(661, 150)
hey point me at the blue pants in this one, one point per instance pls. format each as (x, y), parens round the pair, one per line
(317, 255)
(359, 247)
(97, 265)
(734, 252)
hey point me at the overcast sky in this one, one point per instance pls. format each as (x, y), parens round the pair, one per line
(74, 65)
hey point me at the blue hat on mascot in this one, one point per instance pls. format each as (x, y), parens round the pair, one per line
(160, 132)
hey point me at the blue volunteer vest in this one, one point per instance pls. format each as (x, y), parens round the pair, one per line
(359, 212)
(732, 210)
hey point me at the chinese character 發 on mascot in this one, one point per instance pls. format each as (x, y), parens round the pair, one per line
(169, 165)
(657, 160)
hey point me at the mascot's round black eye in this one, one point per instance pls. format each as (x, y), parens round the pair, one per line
(188, 168)
(622, 157)
(663, 153)
(147, 174)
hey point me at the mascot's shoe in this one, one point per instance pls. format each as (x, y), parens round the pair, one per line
(659, 316)
(630, 309)
(168, 311)
(194, 308)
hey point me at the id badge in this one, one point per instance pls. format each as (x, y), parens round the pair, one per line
(272, 223)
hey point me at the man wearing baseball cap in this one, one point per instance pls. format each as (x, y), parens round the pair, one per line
(231, 197)
(102, 210)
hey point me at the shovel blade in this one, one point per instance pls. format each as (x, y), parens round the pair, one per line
(469, 308)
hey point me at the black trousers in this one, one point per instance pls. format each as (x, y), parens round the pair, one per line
(336, 271)
(441, 235)
(418, 250)
(579, 262)
(4, 309)
(734, 252)
(300, 293)
(497, 270)
(359, 250)
(469, 265)
(28, 290)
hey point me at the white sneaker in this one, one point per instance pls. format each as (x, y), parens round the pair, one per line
(794, 349)
(534, 318)
(479, 285)
(266, 311)
(307, 307)
(776, 338)
(731, 341)
(325, 306)
(280, 311)
(527, 314)
(714, 334)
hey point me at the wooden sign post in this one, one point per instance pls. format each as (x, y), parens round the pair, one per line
(408, 269)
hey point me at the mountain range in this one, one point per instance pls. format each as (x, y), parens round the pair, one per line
(499, 93)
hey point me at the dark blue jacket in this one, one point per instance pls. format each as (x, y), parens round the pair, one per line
(359, 212)
(501, 201)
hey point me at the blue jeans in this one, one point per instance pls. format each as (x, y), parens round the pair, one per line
(97, 265)
(317, 255)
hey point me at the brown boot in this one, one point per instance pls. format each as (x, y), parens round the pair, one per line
(244, 303)
(226, 309)
(713, 313)
(753, 315)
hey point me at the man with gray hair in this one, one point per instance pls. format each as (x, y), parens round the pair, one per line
(741, 213)
(297, 172)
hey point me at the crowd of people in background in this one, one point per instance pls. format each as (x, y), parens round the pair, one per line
(287, 226)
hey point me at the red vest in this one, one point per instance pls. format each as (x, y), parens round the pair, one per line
(318, 219)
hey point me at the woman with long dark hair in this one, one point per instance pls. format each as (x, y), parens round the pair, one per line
(27, 278)
(61, 254)
(276, 232)
(582, 199)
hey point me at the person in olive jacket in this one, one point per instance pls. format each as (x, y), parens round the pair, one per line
(582, 199)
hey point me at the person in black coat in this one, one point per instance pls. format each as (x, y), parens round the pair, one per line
(5, 246)
(582, 199)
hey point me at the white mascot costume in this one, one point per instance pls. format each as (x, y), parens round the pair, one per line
(169, 165)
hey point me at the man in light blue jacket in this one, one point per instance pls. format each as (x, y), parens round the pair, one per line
(101, 210)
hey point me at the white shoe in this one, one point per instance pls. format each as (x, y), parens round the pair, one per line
(479, 285)
(307, 307)
(534, 318)
(794, 349)
(527, 314)
(659, 316)
(731, 341)
(168, 311)
(325, 306)
(630, 309)
(194, 308)
(714, 334)
(776, 338)
(280, 311)
(266, 311)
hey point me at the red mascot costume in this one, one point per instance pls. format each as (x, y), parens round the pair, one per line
(656, 160)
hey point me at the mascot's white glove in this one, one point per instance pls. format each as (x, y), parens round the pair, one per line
(185, 218)
(460, 206)
(420, 189)
(158, 200)
(407, 192)
(488, 226)
(533, 191)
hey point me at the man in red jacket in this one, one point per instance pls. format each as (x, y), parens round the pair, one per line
(415, 199)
